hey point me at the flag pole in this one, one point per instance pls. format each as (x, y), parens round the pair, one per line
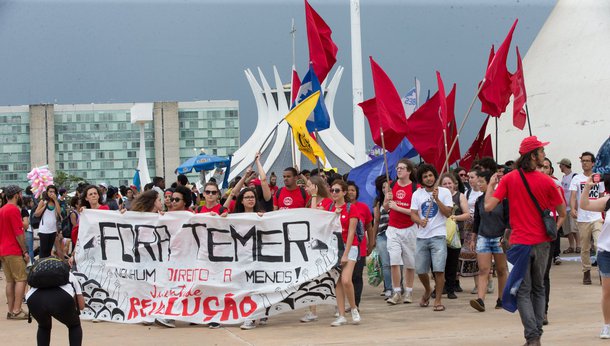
(270, 134)
(385, 157)
(457, 137)
(527, 113)
(446, 153)
(315, 130)
(496, 138)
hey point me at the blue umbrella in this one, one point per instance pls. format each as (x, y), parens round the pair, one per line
(203, 162)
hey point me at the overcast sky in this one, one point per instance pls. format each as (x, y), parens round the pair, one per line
(141, 51)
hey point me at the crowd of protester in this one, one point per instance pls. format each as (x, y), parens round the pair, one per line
(407, 226)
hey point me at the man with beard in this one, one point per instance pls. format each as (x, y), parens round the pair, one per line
(529, 240)
(13, 252)
(430, 208)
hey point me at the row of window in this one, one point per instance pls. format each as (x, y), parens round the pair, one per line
(15, 118)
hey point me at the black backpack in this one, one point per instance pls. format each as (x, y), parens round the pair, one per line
(303, 194)
(35, 220)
(49, 272)
(359, 226)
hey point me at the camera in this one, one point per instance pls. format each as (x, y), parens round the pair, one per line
(596, 178)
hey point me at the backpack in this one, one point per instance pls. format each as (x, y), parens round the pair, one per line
(413, 185)
(303, 194)
(35, 220)
(220, 211)
(49, 272)
(359, 226)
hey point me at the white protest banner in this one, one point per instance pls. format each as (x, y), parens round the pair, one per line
(135, 267)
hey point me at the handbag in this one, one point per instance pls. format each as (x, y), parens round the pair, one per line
(453, 233)
(549, 221)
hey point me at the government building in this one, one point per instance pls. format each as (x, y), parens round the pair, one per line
(99, 143)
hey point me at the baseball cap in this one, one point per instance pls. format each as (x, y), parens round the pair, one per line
(104, 185)
(11, 191)
(565, 162)
(530, 143)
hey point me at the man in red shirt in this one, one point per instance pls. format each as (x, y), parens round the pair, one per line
(528, 230)
(401, 232)
(290, 196)
(13, 252)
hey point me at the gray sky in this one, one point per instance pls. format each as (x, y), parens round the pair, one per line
(140, 51)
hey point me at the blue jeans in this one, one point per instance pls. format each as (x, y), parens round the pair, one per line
(531, 298)
(29, 242)
(384, 256)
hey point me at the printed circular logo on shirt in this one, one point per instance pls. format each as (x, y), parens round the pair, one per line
(400, 194)
(288, 201)
(429, 205)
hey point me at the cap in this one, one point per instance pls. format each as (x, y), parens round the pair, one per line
(11, 191)
(530, 143)
(256, 182)
(565, 162)
(104, 185)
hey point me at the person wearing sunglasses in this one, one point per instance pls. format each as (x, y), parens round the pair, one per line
(211, 192)
(349, 222)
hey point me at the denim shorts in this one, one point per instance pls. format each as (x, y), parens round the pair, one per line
(488, 245)
(353, 254)
(603, 263)
(431, 251)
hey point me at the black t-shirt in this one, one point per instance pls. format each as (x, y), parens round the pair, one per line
(24, 213)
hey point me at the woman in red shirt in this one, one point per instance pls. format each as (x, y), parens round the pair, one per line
(91, 198)
(349, 222)
(212, 203)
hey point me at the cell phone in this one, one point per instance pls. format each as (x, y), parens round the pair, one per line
(596, 178)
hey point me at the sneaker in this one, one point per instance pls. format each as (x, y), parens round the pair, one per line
(165, 322)
(478, 304)
(407, 298)
(586, 278)
(499, 303)
(605, 334)
(340, 321)
(387, 295)
(249, 324)
(355, 316)
(458, 288)
(309, 317)
(557, 260)
(451, 295)
(490, 287)
(263, 321)
(395, 299)
(474, 291)
(214, 325)
(336, 312)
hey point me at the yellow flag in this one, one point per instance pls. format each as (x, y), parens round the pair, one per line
(297, 118)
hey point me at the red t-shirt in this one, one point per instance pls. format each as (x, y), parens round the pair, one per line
(290, 199)
(325, 203)
(345, 218)
(365, 216)
(11, 225)
(216, 209)
(273, 189)
(402, 196)
(525, 220)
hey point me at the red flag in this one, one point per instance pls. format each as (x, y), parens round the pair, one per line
(496, 90)
(484, 103)
(385, 110)
(451, 134)
(425, 132)
(486, 150)
(473, 152)
(322, 49)
(442, 109)
(520, 96)
(294, 86)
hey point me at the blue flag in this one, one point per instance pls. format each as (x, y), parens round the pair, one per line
(136, 180)
(319, 118)
(364, 175)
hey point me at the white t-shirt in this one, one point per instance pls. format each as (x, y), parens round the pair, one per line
(67, 288)
(421, 202)
(603, 242)
(48, 221)
(565, 184)
(472, 199)
(597, 191)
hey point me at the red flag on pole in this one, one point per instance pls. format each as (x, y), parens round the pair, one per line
(322, 49)
(442, 98)
(473, 152)
(486, 149)
(385, 110)
(520, 96)
(452, 131)
(496, 91)
(294, 86)
(425, 132)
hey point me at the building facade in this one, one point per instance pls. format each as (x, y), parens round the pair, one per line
(99, 143)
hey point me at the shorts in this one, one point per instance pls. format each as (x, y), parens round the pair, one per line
(401, 245)
(353, 254)
(603, 263)
(14, 268)
(489, 245)
(431, 251)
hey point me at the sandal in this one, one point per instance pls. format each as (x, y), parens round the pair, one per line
(577, 250)
(439, 307)
(424, 302)
(21, 315)
(568, 250)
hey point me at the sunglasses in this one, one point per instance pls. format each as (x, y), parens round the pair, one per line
(463, 175)
(249, 197)
(335, 190)
(400, 168)
(176, 199)
(208, 192)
